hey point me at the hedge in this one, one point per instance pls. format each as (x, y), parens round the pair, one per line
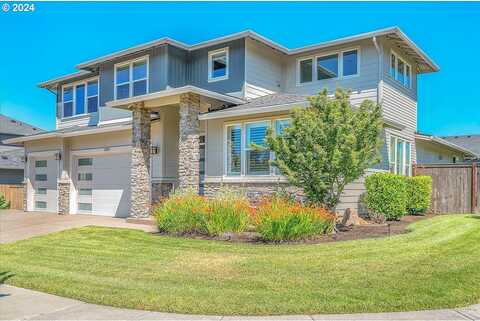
(393, 195)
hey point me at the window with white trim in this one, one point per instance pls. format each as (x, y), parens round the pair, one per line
(246, 149)
(218, 64)
(131, 78)
(80, 98)
(400, 156)
(400, 70)
(330, 66)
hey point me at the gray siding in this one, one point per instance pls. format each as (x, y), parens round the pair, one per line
(431, 153)
(364, 86)
(11, 176)
(197, 73)
(177, 67)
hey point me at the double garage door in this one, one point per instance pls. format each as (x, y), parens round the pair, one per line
(102, 184)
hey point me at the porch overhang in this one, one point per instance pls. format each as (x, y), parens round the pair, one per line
(69, 133)
(171, 96)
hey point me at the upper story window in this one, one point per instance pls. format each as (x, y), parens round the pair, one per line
(246, 150)
(332, 66)
(218, 65)
(400, 70)
(131, 78)
(80, 98)
(399, 158)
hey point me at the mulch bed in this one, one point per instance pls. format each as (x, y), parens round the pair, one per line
(370, 230)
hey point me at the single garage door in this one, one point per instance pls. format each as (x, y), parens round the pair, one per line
(103, 185)
(44, 182)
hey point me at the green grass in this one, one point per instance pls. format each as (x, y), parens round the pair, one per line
(437, 265)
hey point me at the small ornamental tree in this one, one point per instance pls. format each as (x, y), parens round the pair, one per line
(328, 145)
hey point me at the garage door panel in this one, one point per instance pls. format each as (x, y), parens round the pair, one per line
(110, 185)
(44, 181)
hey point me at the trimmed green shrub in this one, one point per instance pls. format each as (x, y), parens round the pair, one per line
(387, 195)
(279, 219)
(185, 212)
(4, 204)
(419, 194)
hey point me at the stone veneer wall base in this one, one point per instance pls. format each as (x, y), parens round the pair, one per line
(63, 198)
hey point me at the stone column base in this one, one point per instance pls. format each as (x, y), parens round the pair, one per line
(63, 189)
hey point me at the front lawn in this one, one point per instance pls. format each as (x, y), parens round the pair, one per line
(437, 265)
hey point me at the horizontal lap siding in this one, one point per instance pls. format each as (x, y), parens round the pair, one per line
(263, 70)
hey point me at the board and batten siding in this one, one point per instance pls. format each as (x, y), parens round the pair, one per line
(197, 68)
(263, 70)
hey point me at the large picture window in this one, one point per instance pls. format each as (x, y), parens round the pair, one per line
(246, 149)
(131, 78)
(400, 158)
(334, 65)
(80, 98)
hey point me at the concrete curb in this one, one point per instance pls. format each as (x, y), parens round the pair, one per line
(22, 304)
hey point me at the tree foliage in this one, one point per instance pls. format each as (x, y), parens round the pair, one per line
(329, 144)
(4, 204)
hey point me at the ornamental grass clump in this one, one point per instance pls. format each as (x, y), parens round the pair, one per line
(278, 219)
(182, 213)
(185, 212)
(227, 212)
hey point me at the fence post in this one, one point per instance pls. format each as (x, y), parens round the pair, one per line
(414, 169)
(474, 186)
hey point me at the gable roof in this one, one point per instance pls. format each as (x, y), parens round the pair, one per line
(425, 63)
(12, 126)
(438, 140)
(471, 142)
(12, 158)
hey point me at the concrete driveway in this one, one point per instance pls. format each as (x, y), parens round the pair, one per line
(17, 225)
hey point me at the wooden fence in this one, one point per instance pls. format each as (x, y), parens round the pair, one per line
(455, 187)
(13, 194)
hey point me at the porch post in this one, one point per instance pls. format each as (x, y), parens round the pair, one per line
(189, 142)
(140, 163)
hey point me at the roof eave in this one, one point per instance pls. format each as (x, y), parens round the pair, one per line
(444, 142)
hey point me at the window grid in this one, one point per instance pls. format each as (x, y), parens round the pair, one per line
(74, 94)
(243, 150)
(135, 77)
(400, 161)
(400, 70)
(334, 66)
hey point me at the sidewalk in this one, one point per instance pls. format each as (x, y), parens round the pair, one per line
(22, 304)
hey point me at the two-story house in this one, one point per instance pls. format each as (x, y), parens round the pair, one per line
(135, 123)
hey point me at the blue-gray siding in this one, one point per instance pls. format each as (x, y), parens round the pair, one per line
(197, 73)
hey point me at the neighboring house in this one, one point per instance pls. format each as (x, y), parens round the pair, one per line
(436, 150)
(135, 123)
(11, 156)
(470, 142)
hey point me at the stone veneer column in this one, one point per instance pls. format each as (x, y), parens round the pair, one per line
(140, 162)
(189, 142)
(63, 189)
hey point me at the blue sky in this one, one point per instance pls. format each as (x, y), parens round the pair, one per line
(50, 41)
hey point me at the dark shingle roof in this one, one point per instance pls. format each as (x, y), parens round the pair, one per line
(269, 101)
(471, 142)
(12, 158)
(15, 127)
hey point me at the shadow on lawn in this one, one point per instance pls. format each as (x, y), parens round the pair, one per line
(3, 277)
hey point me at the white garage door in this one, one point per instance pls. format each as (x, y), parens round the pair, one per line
(103, 185)
(44, 182)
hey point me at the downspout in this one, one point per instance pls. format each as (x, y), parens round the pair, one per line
(380, 70)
